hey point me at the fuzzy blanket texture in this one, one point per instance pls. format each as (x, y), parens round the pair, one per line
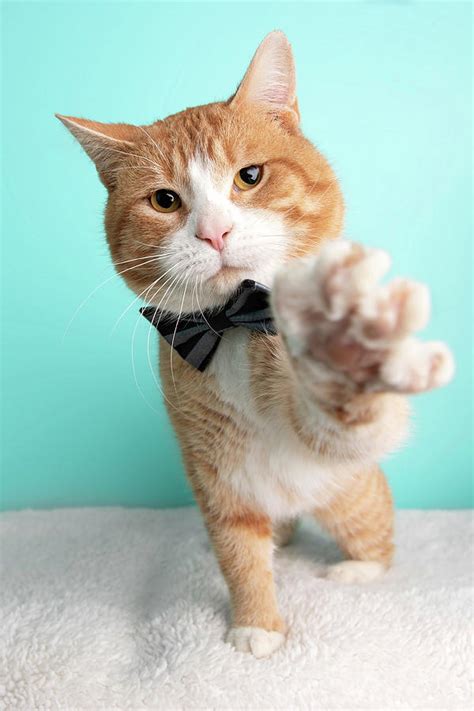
(126, 609)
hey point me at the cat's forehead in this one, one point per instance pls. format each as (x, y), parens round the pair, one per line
(214, 139)
(205, 135)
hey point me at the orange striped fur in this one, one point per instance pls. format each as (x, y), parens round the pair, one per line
(277, 426)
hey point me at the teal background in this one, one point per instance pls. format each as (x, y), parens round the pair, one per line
(384, 91)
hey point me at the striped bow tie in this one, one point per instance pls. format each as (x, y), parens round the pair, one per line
(196, 336)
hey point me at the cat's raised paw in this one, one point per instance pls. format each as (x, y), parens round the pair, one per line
(338, 320)
(355, 571)
(259, 642)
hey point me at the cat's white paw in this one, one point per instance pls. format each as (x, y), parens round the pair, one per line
(355, 571)
(335, 315)
(260, 642)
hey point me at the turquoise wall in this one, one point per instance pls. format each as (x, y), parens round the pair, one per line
(384, 90)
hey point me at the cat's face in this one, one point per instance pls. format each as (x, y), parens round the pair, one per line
(215, 194)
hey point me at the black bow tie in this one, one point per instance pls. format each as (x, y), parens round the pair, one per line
(196, 336)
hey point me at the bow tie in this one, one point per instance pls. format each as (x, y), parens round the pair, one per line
(196, 336)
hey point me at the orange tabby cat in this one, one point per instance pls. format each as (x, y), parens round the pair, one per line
(276, 425)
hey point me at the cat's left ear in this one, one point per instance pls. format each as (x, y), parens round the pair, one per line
(270, 80)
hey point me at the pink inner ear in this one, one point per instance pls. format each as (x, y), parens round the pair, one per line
(270, 78)
(275, 95)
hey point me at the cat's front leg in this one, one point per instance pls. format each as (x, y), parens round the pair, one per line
(243, 545)
(352, 348)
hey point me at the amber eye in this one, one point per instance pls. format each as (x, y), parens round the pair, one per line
(248, 177)
(165, 201)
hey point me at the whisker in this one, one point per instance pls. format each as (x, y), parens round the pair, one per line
(174, 333)
(202, 312)
(144, 244)
(160, 151)
(135, 155)
(138, 297)
(157, 383)
(94, 291)
(148, 358)
(134, 259)
(134, 371)
(176, 281)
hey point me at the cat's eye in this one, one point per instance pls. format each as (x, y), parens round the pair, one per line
(248, 177)
(165, 200)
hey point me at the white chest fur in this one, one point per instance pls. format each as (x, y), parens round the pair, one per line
(230, 367)
(282, 478)
(279, 475)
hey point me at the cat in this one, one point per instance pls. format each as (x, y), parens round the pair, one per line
(277, 425)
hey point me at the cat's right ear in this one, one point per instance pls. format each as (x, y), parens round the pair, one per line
(105, 143)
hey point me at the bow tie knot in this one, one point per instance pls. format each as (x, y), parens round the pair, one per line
(218, 321)
(196, 336)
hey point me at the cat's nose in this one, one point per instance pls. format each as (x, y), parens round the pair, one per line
(214, 232)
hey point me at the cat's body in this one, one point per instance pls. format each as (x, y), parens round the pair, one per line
(261, 458)
(280, 425)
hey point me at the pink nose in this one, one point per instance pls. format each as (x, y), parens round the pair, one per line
(213, 232)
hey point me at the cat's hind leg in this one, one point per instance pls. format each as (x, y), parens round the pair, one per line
(361, 521)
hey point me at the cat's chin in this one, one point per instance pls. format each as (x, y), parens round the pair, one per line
(227, 279)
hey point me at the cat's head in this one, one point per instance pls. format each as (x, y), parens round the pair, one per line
(213, 195)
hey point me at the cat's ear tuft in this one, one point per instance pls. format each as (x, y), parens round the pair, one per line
(270, 79)
(105, 143)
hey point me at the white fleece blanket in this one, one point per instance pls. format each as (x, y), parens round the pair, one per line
(126, 609)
